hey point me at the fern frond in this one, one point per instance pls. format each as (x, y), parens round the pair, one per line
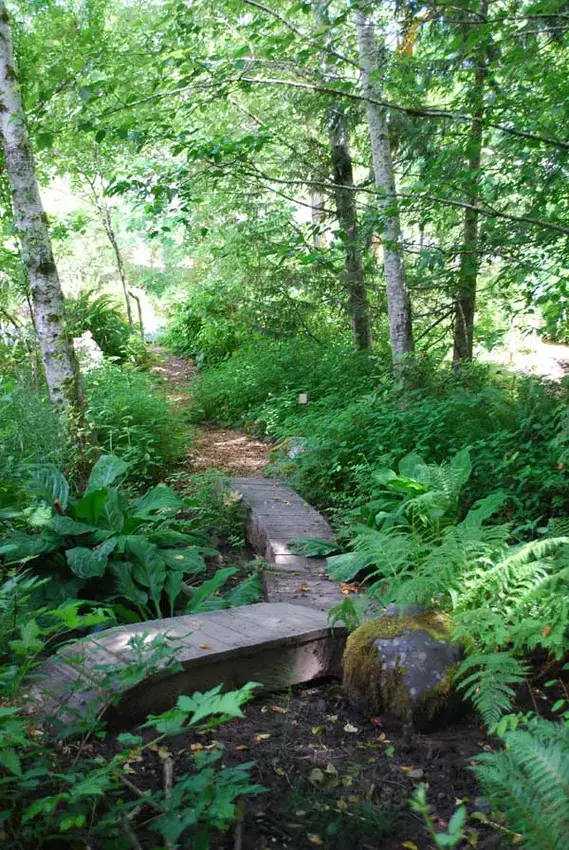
(487, 680)
(529, 783)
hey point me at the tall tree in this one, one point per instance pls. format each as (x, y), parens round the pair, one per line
(61, 368)
(465, 301)
(345, 201)
(398, 300)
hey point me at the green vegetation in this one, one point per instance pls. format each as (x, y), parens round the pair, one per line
(135, 555)
(359, 418)
(352, 217)
(85, 795)
(131, 418)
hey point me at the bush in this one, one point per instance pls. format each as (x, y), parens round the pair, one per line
(101, 315)
(260, 384)
(133, 419)
(358, 417)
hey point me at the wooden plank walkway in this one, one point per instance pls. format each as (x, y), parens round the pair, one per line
(284, 641)
(276, 644)
(278, 515)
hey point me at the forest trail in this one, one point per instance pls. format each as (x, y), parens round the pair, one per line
(213, 448)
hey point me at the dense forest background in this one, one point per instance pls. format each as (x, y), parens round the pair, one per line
(349, 222)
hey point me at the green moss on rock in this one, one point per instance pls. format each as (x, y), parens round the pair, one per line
(377, 689)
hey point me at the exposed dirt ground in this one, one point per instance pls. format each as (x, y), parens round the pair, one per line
(221, 449)
(334, 779)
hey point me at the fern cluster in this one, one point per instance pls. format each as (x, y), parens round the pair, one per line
(505, 600)
(528, 781)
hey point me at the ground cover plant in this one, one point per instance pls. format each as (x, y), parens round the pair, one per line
(352, 218)
(138, 555)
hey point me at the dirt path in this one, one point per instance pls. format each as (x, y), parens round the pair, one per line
(222, 449)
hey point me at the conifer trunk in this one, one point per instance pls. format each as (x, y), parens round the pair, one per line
(465, 301)
(60, 362)
(346, 209)
(398, 301)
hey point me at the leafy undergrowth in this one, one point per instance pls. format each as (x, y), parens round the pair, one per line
(334, 779)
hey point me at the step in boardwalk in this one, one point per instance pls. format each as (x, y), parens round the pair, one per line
(277, 516)
(276, 644)
(284, 641)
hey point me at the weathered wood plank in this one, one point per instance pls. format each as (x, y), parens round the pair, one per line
(278, 515)
(275, 644)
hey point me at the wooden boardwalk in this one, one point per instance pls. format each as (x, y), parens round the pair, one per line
(284, 641)
(278, 515)
(276, 644)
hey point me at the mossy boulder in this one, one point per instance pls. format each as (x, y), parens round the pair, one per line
(402, 665)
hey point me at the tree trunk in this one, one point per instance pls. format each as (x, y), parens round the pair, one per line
(398, 301)
(98, 201)
(109, 230)
(139, 308)
(465, 303)
(60, 362)
(317, 199)
(346, 209)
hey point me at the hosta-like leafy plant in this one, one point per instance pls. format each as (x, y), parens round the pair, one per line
(104, 545)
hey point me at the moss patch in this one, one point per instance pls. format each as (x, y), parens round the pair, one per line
(375, 689)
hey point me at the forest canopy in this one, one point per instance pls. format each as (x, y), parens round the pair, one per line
(318, 242)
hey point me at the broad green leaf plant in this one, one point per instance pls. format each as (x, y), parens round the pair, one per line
(129, 552)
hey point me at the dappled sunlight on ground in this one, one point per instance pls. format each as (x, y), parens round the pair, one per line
(228, 451)
(222, 449)
(531, 356)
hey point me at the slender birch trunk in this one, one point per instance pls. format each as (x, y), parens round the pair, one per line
(110, 231)
(60, 362)
(346, 209)
(398, 301)
(465, 303)
(98, 201)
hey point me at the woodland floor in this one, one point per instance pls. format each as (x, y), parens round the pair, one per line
(212, 448)
(334, 778)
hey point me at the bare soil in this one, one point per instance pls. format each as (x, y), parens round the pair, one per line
(334, 779)
(225, 450)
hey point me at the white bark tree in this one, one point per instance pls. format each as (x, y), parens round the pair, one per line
(61, 368)
(398, 301)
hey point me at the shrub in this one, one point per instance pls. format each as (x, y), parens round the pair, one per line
(514, 426)
(101, 315)
(358, 417)
(133, 419)
(260, 384)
